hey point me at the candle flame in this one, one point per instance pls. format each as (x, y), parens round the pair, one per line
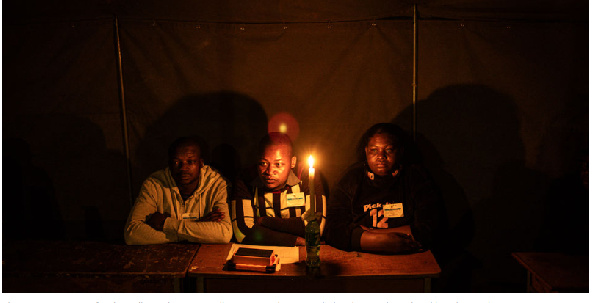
(311, 161)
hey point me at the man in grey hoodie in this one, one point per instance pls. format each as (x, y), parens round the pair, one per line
(187, 201)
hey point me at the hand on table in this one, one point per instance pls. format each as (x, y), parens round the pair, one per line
(157, 220)
(216, 215)
(389, 243)
(403, 243)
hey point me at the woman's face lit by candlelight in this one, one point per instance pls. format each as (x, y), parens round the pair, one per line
(381, 152)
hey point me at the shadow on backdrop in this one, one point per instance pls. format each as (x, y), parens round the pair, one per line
(566, 213)
(28, 193)
(230, 123)
(65, 179)
(470, 142)
(566, 203)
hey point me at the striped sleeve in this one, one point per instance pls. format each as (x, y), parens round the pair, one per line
(242, 212)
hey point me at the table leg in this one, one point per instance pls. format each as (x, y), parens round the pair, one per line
(200, 285)
(177, 285)
(427, 285)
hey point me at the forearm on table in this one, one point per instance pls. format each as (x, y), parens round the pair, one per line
(197, 231)
(373, 242)
(140, 233)
(210, 231)
(137, 231)
(388, 243)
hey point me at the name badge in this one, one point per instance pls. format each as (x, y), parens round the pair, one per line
(393, 210)
(190, 216)
(295, 199)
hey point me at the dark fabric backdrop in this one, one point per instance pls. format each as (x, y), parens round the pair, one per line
(502, 107)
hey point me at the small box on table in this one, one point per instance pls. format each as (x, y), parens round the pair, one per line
(253, 259)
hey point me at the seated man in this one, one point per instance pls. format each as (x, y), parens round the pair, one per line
(185, 201)
(386, 203)
(267, 207)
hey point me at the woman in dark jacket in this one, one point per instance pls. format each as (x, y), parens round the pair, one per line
(386, 202)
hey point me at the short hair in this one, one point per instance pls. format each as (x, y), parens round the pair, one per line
(275, 138)
(403, 141)
(185, 141)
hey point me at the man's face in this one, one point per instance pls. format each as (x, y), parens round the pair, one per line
(185, 165)
(275, 165)
(381, 154)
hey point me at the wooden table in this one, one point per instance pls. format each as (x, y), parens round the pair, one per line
(340, 271)
(75, 267)
(555, 272)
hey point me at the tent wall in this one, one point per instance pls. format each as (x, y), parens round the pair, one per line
(501, 111)
(62, 136)
(226, 81)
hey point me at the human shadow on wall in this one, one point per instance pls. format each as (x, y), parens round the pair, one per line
(451, 240)
(566, 202)
(68, 172)
(469, 138)
(28, 194)
(565, 225)
(230, 123)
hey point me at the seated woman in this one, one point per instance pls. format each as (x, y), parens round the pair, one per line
(385, 203)
(268, 204)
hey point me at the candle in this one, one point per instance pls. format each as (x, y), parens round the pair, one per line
(311, 185)
(312, 231)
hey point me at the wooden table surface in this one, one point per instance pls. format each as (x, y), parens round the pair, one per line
(27, 264)
(336, 265)
(555, 272)
(102, 267)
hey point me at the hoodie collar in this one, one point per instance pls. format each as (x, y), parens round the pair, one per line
(202, 180)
